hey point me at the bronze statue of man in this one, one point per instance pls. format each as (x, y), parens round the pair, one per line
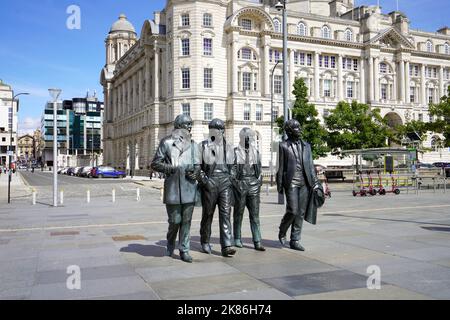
(297, 178)
(247, 182)
(178, 158)
(216, 186)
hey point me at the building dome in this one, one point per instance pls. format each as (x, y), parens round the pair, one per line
(122, 25)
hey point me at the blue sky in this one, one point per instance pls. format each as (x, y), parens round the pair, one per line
(38, 52)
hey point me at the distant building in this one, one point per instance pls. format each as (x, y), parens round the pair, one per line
(25, 148)
(79, 132)
(8, 121)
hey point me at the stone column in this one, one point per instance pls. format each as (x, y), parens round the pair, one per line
(266, 70)
(362, 90)
(401, 82)
(156, 72)
(234, 62)
(442, 91)
(377, 78)
(340, 85)
(291, 72)
(316, 77)
(423, 90)
(371, 80)
(407, 80)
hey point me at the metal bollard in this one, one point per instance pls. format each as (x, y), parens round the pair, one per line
(114, 195)
(88, 194)
(61, 197)
(138, 195)
(34, 197)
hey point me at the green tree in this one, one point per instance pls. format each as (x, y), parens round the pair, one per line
(356, 126)
(413, 126)
(306, 114)
(441, 114)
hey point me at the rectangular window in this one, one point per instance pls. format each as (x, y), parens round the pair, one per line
(185, 20)
(186, 109)
(246, 24)
(430, 95)
(416, 71)
(274, 114)
(420, 117)
(246, 81)
(434, 72)
(412, 94)
(350, 89)
(270, 55)
(247, 111)
(327, 88)
(277, 56)
(309, 59)
(302, 59)
(208, 78)
(383, 68)
(320, 61)
(278, 84)
(326, 62)
(259, 112)
(296, 54)
(384, 89)
(185, 47)
(185, 78)
(208, 111)
(207, 20)
(207, 46)
(333, 62)
(355, 64)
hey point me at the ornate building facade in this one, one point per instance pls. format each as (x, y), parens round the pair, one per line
(215, 58)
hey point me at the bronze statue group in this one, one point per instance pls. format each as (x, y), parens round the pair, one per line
(215, 174)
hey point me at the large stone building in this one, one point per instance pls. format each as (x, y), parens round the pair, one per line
(25, 148)
(8, 123)
(214, 58)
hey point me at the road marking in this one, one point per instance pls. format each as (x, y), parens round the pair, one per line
(143, 223)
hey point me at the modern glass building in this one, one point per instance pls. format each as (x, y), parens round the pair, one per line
(79, 125)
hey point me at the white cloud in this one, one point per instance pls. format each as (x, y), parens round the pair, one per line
(29, 125)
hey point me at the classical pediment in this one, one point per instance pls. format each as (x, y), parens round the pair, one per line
(391, 38)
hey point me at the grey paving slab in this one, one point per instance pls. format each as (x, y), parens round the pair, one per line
(386, 292)
(260, 295)
(90, 289)
(133, 296)
(185, 271)
(425, 254)
(92, 273)
(201, 286)
(45, 264)
(318, 282)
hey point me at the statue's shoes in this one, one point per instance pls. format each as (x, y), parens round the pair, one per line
(295, 245)
(259, 247)
(238, 243)
(228, 252)
(186, 257)
(282, 239)
(206, 248)
(169, 251)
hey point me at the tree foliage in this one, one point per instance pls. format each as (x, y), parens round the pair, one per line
(306, 114)
(356, 126)
(441, 114)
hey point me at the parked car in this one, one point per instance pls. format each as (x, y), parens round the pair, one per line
(442, 164)
(71, 171)
(425, 166)
(107, 172)
(78, 171)
(85, 172)
(64, 171)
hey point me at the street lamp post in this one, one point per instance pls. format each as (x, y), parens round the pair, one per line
(281, 6)
(11, 138)
(54, 93)
(272, 120)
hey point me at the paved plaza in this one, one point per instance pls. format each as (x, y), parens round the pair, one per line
(119, 248)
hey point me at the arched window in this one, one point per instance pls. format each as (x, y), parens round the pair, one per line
(446, 48)
(429, 46)
(301, 29)
(384, 68)
(348, 35)
(277, 25)
(326, 32)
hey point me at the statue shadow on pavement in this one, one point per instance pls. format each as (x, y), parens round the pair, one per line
(158, 249)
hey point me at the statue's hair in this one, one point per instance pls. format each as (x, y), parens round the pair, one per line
(180, 120)
(217, 124)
